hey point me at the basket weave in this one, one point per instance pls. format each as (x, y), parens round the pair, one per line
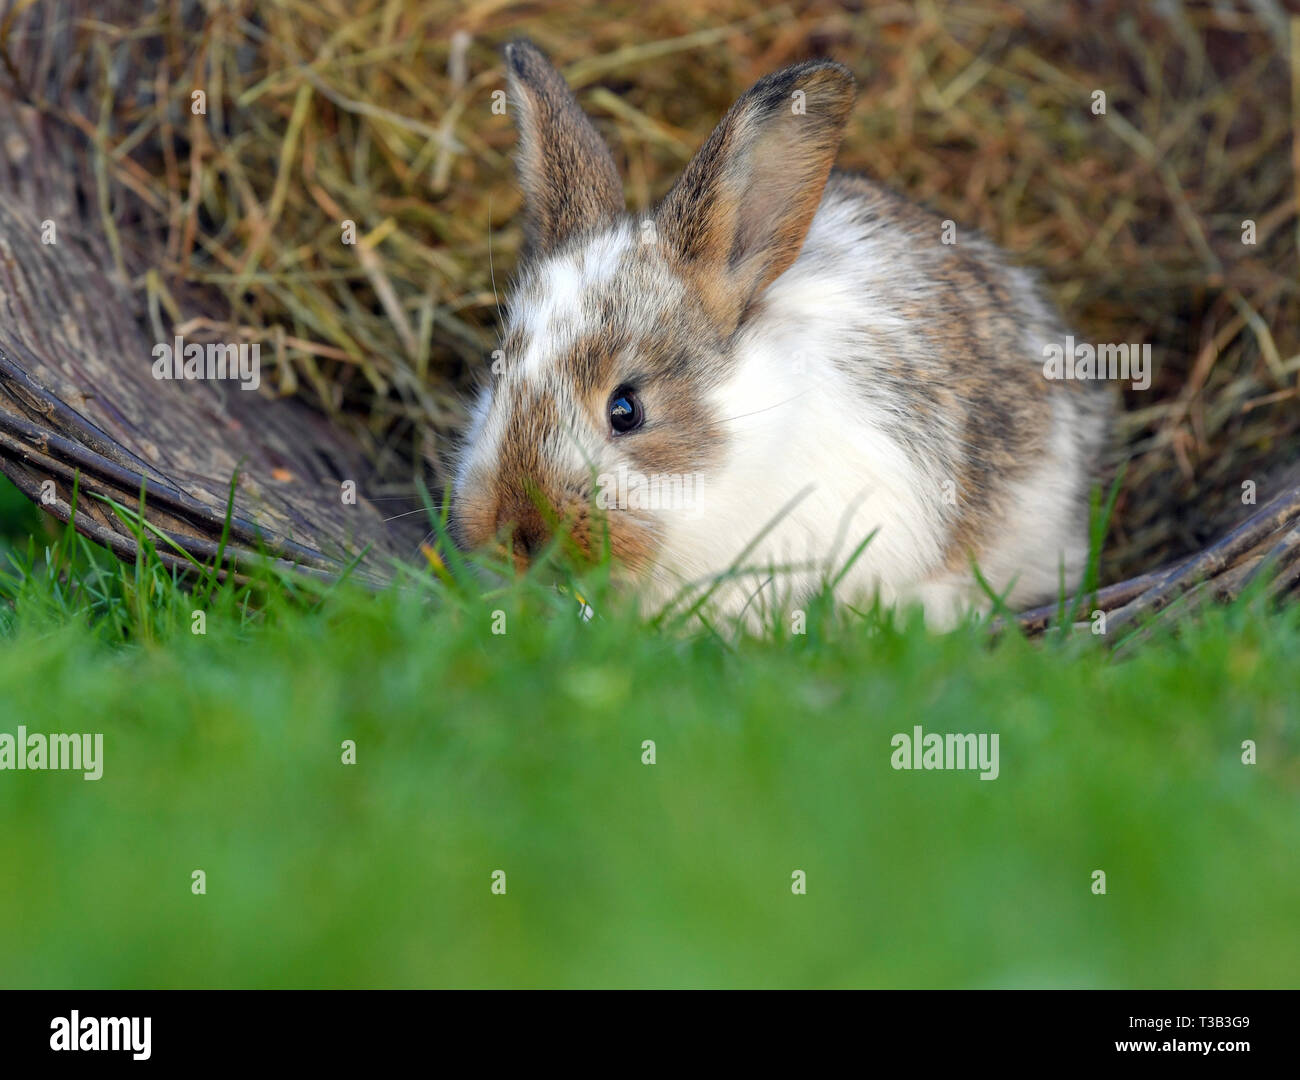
(78, 402)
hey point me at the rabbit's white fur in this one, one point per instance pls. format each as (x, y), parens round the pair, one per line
(838, 297)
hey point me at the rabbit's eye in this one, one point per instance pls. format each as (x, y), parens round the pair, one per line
(625, 411)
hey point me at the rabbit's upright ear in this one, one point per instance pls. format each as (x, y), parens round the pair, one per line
(570, 182)
(738, 215)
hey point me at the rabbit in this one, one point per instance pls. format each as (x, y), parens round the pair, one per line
(827, 392)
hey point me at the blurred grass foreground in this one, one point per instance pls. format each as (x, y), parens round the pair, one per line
(381, 791)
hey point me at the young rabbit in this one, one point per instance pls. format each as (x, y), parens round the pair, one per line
(793, 355)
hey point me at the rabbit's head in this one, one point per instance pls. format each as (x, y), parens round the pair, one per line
(616, 368)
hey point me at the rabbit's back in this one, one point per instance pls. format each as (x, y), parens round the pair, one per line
(943, 347)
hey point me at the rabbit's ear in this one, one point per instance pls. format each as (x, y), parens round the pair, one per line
(570, 182)
(738, 215)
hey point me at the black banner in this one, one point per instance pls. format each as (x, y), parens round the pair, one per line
(170, 1029)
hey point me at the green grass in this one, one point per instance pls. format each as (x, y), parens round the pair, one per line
(522, 752)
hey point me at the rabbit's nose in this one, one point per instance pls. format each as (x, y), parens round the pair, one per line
(524, 525)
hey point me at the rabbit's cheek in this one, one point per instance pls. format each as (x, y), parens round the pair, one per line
(633, 540)
(472, 520)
